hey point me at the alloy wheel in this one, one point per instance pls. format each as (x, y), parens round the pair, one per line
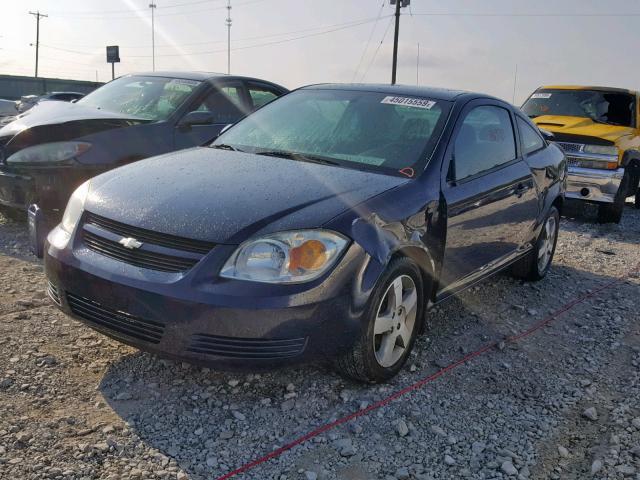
(395, 321)
(547, 243)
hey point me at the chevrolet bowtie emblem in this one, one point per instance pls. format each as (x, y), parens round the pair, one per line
(130, 243)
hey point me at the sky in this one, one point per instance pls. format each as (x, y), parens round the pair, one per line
(473, 45)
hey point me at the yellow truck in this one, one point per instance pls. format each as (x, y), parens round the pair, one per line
(599, 130)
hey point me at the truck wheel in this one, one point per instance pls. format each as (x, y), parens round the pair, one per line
(638, 199)
(393, 319)
(14, 214)
(536, 264)
(610, 212)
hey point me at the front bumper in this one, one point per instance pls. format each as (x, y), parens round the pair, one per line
(230, 325)
(16, 190)
(594, 185)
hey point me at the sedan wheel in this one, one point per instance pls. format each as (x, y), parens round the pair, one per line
(548, 243)
(390, 324)
(535, 265)
(395, 321)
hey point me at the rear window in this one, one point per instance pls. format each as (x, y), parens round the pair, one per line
(613, 108)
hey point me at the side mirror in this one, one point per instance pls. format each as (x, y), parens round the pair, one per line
(549, 136)
(196, 118)
(74, 100)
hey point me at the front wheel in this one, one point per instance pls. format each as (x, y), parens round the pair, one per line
(536, 264)
(393, 319)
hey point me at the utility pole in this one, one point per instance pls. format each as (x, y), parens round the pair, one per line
(152, 6)
(38, 15)
(515, 83)
(398, 4)
(228, 22)
(418, 66)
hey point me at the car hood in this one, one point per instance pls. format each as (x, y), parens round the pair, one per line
(60, 121)
(581, 126)
(226, 197)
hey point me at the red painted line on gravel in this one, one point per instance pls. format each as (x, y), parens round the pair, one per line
(419, 384)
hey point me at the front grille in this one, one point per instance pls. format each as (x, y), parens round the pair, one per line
(574, 161)
(54, 294)
(571, 147)
(115, 321)
(246, 348)
(149, 236)
(138, 257)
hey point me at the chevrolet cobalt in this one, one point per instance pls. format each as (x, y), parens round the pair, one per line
(320, 228)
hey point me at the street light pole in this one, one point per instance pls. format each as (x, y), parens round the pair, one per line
(228, 22)
(152, 6)
(38, 15)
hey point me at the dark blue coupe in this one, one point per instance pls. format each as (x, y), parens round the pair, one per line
(321, 227)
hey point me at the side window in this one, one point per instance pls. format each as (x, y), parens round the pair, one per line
(484, 141)
(261, 95)
(224, 103)
(531, 140)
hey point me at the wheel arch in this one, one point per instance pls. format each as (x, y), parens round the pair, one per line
(425, 262)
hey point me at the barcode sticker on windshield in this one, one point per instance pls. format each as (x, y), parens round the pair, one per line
(409, 102)
(541, 95)
(184, 81)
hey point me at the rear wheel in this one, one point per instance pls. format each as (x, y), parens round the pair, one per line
(394, 318)
(536, 264)
(610, 212)
(14, 214)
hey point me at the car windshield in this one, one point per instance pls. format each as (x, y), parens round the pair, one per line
(149, 98)
(392, 134)
(613, 108)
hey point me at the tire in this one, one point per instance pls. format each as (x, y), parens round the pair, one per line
(368, 360)
(610, 212)
(637, 204)
(14, 214)
(532, 267)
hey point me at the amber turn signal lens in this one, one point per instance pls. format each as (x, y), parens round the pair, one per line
(311, 255)
(612, 165)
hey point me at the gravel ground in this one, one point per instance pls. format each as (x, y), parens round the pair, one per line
(563, 403)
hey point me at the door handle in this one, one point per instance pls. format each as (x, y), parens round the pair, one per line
(521, 189)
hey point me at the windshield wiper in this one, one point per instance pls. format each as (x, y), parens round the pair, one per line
(224, 146)
(297, 156)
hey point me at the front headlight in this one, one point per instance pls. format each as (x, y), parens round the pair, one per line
(601, 150)
(49, 153)
(75, 207)
(286, 257)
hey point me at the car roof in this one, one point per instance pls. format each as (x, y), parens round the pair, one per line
(430, 92)
(582, 87)
(195, 75)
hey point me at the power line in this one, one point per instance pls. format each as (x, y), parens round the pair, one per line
(598, 15)
(241, 39)
(137, 14)
(375, 54)
(127, 10)
(366, 47)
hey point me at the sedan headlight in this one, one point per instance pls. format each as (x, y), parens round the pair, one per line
(286, 257)
(75, 207)
(49, 153)
(601, 149)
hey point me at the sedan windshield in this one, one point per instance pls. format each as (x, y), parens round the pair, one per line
(355, 129)
(612, 108)
(148, 98)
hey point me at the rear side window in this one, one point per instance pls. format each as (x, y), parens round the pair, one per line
(224, 104)
(261, 96)
(484, 141)
(531, 140)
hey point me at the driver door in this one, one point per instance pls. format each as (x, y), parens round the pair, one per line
(226, 103)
